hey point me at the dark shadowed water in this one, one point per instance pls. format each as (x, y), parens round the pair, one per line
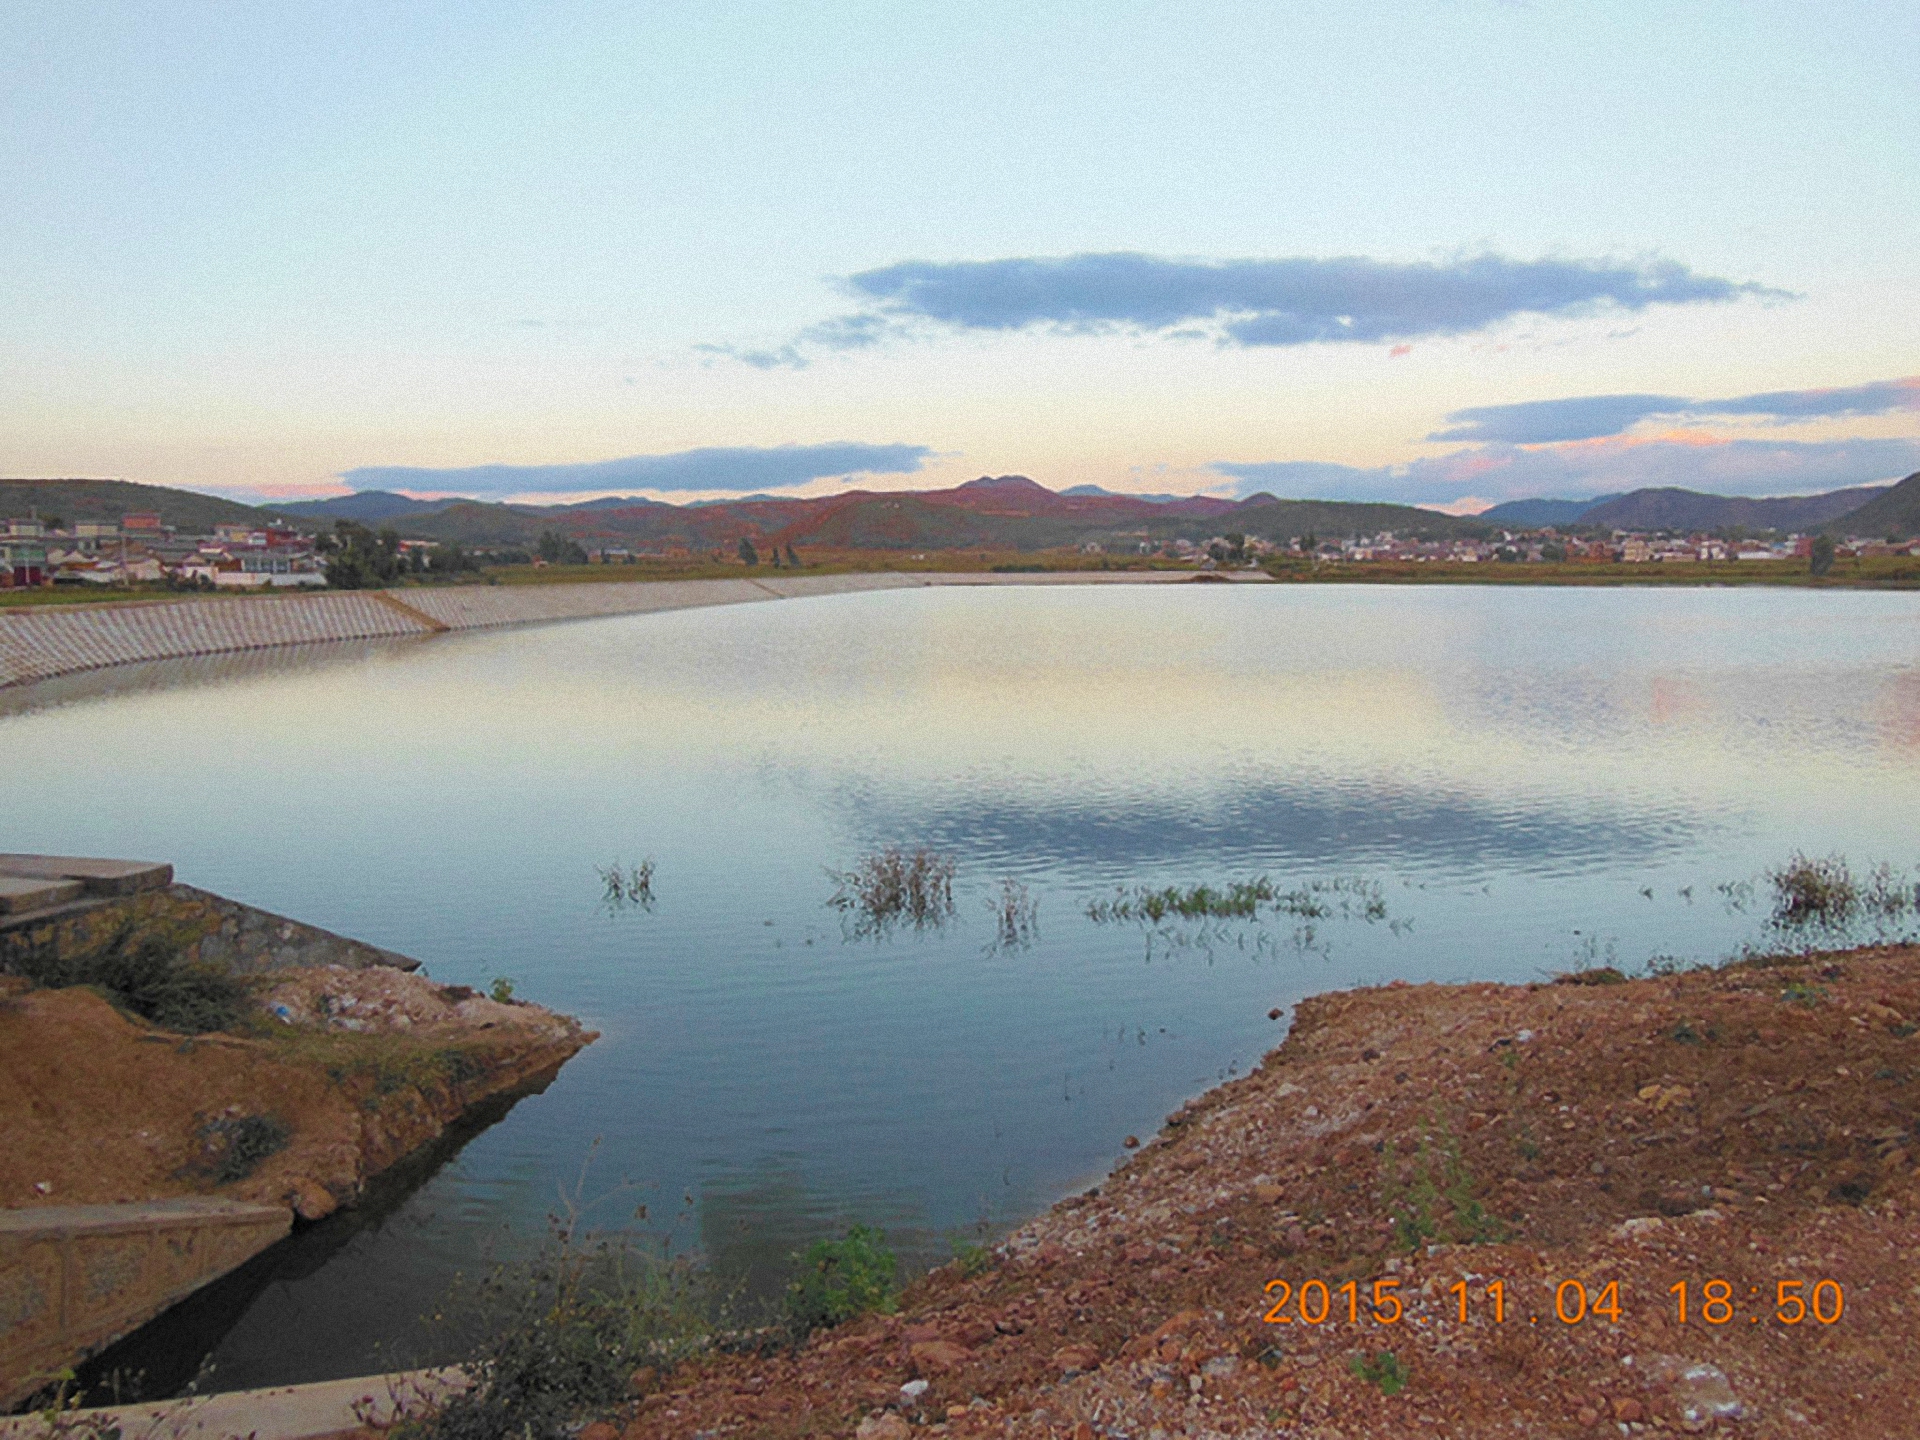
(1535, 780)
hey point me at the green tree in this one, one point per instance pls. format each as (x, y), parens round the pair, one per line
(358, 559)
(450, 559)
(557, 549)
(1820, 557)
(748, 554)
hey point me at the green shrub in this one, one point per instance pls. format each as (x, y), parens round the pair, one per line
(1433, 1196)
(973, 1259)
(232, 1147)
(840, 1279)
(149, 975)
(560, 1338)
(502, 990)
(1384, 1369)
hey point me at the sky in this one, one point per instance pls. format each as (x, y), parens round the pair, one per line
(1448, 252)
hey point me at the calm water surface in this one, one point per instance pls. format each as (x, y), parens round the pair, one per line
(1536, 779)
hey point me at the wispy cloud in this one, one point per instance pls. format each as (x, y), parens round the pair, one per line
(740, 469)
(1592, 467)
(1590, 417)
(1299, 300)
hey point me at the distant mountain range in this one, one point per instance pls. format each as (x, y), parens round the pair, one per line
(1532, 514)
(995, 512)
(1667, 508)
(366, 506)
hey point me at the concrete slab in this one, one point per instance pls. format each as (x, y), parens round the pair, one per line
(100, 877)
(73, 1278)
(19, 895)
(286, 1412)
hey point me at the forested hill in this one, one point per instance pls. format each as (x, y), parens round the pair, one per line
(1893, 511)
(107, 500)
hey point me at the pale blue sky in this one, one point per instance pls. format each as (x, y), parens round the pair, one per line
(258, 248)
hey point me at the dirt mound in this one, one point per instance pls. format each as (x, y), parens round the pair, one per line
(99, 1107)
(1291, 1255)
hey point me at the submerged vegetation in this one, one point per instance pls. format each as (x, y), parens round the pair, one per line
(893, 886)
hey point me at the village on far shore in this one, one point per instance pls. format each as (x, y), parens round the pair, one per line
(85, 534)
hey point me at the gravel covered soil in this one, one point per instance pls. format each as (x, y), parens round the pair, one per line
(1754, 1125)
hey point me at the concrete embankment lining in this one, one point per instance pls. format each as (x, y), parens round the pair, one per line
(38, 644)
(285, 1412)
(73, 1277)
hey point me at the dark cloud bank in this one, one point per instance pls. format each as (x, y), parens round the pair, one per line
(739, 468)
(1253, 302)
(1590, 417)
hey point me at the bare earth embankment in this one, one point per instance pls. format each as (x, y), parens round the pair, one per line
(1754, 1125)
(368, 1065)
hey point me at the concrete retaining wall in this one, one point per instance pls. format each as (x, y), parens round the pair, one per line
(39, 644)
(75, 1277)
(208, 928)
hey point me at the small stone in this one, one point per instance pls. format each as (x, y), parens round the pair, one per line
(1587, 1415)
(1132, 1142)
(1629, 1410)
(1071, 1359)
(310, 1200)
(913, 1390)
(884, 1426)
(937, 1357)
(1275, 1014)
(600, 1430)
(1703, 1393)
(1083, 1431)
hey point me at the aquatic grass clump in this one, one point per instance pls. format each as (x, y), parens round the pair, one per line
(1813, 892)
(627, 886)
(1016, 916)
(1825, 895)
(1348, 899)
(895, 885)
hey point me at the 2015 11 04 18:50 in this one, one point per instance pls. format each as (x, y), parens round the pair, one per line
(1573, 1302)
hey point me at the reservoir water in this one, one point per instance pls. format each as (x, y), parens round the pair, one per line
(1534, 780)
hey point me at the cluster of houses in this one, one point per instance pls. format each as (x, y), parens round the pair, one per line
(1622, 547)
(139, 549)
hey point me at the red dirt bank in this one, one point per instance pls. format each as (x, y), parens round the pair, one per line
(98, 1107)
(1754, 1125)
